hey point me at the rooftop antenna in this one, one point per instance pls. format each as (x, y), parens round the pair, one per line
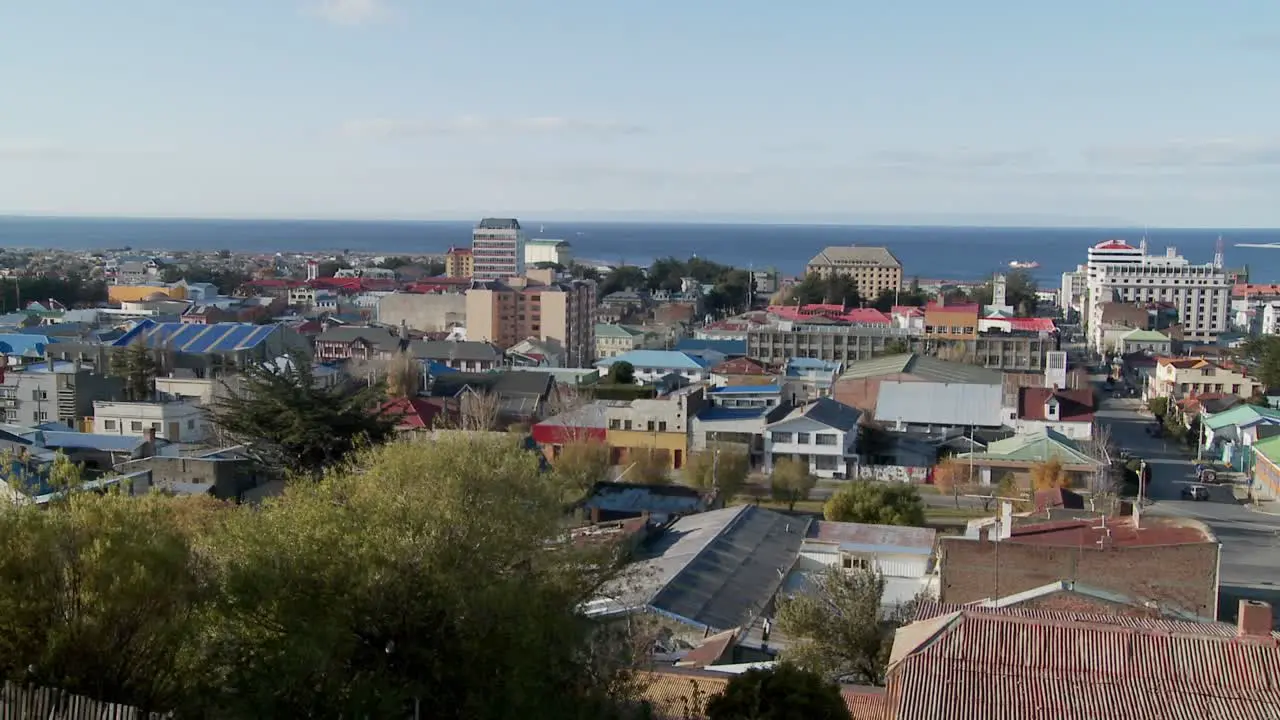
(1143, 244)
(1217, 254)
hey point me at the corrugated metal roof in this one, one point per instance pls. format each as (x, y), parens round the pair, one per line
(982, 664)
(180, 337)
(932, 403)
(864, 534)
(924, 367)
(1038, 446)
(661, 359)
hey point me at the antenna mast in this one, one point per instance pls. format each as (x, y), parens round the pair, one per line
(1217, 254)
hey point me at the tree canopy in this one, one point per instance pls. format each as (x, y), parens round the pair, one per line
(781, 692)
(73, 290)
(1049, 475)
(721, 467)
(816, 289)
(622, 373)
(1019, 291)
(1264, 351)
(791, 481)
(290, 421)
(876, 503)
(137, 367)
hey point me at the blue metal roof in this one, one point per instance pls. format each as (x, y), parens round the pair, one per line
(179, 337)
(661, 359)
(715, 412)
(24, 344)
(746, 389)
(90, 441)
(730, 348)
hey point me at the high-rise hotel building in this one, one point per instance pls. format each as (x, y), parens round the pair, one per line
(497, 249)
(1201, 294)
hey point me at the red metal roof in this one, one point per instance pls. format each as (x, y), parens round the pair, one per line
(910, 310)
(1036, 324)
(1073, 405)
(978, 664)
(412, 413)
(740, 366)
(956, 308)
(1114, 245)
(1120, 532)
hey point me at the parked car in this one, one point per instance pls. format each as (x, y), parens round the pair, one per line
(1195, 492)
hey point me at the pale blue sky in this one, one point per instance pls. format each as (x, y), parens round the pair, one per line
(1143, 111)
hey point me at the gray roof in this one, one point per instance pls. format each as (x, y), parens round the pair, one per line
(924, 367)
(838, 255)
(932, 403)
(377, 336)
(454, 350)
(716, 569)
(498, 224)
(828, 412)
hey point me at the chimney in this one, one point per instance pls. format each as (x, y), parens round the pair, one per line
(942, 299)
(1254, 619)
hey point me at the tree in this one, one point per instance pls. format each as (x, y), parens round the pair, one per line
(329, 268)
(404, 376)
(839, 626)
(136, 365)
(896, 346)
(480, 411)
(720, 467)
(622, 373)
(876, 503)
(832, 289)
(647, 467)
(1159, 407)
(581, 464)
(1019, 291)
(791, 481)
(1049, 475)
(1008, 487)
(949, 476)
(625, 277)
(284, 417)
(781, 692)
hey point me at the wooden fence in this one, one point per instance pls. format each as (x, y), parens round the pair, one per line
(18, 702)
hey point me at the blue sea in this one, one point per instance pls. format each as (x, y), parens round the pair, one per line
(954, 253)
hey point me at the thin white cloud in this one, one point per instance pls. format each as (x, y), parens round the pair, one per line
(472, 124)
(1191, 154)
(959, 158)
(351, 12)
(26, 148)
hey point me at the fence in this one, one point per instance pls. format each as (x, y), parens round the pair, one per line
(894, 473)
(18, 702)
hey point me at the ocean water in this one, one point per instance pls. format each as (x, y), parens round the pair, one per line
(955, 253)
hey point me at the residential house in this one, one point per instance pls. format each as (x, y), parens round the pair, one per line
(357, 343)
(613, 340)
(659, 425)
(747, 396)
(741, 371)
(20, 348)
(586, 423)
(1223, 671)
(413, 413)
(859, 385)
(61, 392)
(807, 379)
(1265, 473)
(951, 322)
(653, 365)
(1069, 412)
(1229, 436)
(1017, 456)
(938, 406)
(1145, 341)
(1180, 377)
(823, 434)
(613, 501)
(903, 556)
(1164, 561)
(176, 421)
(523, 396)
(464, 355)
(741, 428)
(532, 352)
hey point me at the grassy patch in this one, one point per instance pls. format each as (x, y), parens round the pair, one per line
(804, 506)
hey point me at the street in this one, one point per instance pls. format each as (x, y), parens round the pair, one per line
(1250, 540)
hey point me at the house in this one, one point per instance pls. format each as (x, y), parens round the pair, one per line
(523, 396)
(823, 434)
(660, 425)
(24, 347)
(806, 379)
(53, 391)
(1265, 480)
(1017, 456)
(464, 355)
(938, 406)
(652, 365)
(743, 428)
(1229, 436)
(747, 396)
(1180, 377)
(993, 661)
(412, 413)
(1167, 562)
(612, 501)
(951, 321)
(613, 340)
(1069, 412)
(357, 343)
(726, 349)
(587, 423)
(859, 385)
(1148, 341)
(903, 556)
(175, 421)
(741, 371)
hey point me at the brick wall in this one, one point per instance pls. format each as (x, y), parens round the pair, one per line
(1184, 576)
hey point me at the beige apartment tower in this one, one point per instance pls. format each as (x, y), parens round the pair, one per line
(874, 269)
(459, 263)
(561, 312)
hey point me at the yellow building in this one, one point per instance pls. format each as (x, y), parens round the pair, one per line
(873, 269)
(459, 263)
(134, 293)
(660, 424)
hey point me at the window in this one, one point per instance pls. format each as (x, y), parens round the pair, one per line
(135, 426)
(650, 426)
(42, 415)
(155, 426)
(662, 426)
(191, 424)
(627, 425)
(854, 562)
(825, 439)
(39, 395)
(108, 424)
(802, 438)
(825, 462)
(10, 414)
(781, 437)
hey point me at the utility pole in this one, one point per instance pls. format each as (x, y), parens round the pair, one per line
(1142, 484)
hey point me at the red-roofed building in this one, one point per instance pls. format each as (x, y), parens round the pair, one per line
(741, 371)
(1069, 412)
(1172, 562)
(416, 413)
(951, 321)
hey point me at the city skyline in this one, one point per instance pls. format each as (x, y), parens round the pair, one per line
(987, 113)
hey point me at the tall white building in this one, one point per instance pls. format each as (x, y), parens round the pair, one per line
(497, 249)
(1200, 293)
(546, 250)
(1075, 285)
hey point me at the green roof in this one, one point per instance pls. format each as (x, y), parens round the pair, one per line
(1269, 448)
(1036, 447)
(1239, 415)
(1146, 336)
(616, 331)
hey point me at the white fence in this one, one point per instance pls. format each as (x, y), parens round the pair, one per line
(894, 473)
(36, 703)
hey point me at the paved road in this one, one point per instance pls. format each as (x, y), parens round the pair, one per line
(1250, 540)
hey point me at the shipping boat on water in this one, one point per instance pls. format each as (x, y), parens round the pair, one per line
(1024, 264)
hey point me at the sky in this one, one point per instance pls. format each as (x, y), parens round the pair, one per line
(1145, 112)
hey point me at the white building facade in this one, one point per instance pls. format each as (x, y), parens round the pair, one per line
(497, 249)
(542, 250)
(1200, 293)
(177, 421)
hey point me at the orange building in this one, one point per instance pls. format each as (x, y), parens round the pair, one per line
(952, 322)
(560, 312)
(459, 263)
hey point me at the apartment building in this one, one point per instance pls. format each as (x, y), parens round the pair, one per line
(50, 391)
(1075, 287)
(497, 249)
(952, 322)
(1184, 377)
(174, 420)
(873, 269)
(545, 250)
(459, 263)
(561, 312)
(1201, 294)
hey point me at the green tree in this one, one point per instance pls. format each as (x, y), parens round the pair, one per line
(397, 261)
(782, 692)
(1159, 407)
(876, 503)
(791, 481)
(622, 373)
(625, 277)
(582, 463)
(329, 268)
(816, 289)
(289, 421)
(647, 467)
(721, 467)
(839, 626)
(136, 365)
(896, 346)
(1019, 290)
